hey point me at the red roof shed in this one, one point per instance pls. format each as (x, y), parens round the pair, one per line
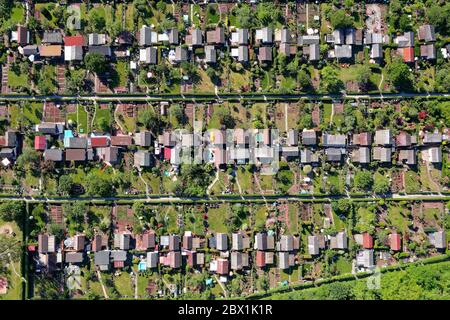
(367, 241)
(40, 143)
(260, 259)
(98, 142)
(74, 40)
(167, 153)
(395, 242)
(408, 54)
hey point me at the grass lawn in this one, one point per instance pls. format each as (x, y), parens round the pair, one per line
(80, 118)
(123, 285)
(327, 109)
(412, 182)
(101, 114)
(216, 219)
(397, 218)
(14, 281)
(32, 113)
(293, 219)
(245, 180)
(193, 221)
(17, 16)
(343, 265)
(122, 71)
(205, 85)
(266, 182)
(17, 80)
(239, 79)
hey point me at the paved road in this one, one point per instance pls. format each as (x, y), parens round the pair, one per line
(214, 97)
(229, 198)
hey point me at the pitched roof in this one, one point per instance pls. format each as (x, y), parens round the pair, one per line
(40, 143)
(77, 40)
(121, 140)
(50, 51)
(75, 154)
(367, 241)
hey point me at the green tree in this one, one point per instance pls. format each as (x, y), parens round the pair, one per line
(399, 74)
(342, 206)
(99, 185)
(12, 211)
(381, 185)
(151, 120)
(340, 20)
(95, 62)
(65, 185)
(364, 180)
(330, 81)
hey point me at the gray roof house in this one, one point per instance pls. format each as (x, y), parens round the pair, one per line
(376, 52)
(265, 54)
(440, 241)
(73, 53)
(426, 33)
(307, 156)
(382, 154)
(308, 40)
(243, 54)
(365, 259)
(407, 156)
(428, 51)
(210, 54)
(292, 137)
(47, 128)
(143, 139)
(173, 36)
(52, 37)
(55, 155)
(237, 242)
(432, 138)
(313, 245)
(260, 241)
(314, 52)
(384, 137)
(309, 137)
(264, 35)
(103, 50)
(334, 154)
(221, 241)
(196, 37)
(432, 155)
(338, 37)
(285, 36)
(96, 39)
(142, 159)
(152, 260)
(74, 257)
(239, 260)
(122, 241)
(181, 54)
(283, 260)
(102, 260)
(145, 36)
(343, 51)
(405, 40)
(286, 243)
(77, 143)
(148, 55)
(361, 155)
(334, 140)
(341, 240)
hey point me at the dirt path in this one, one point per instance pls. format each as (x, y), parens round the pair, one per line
(99, 275)
(116, 119)
(221, 285)
(147, 188)
(208, 190)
